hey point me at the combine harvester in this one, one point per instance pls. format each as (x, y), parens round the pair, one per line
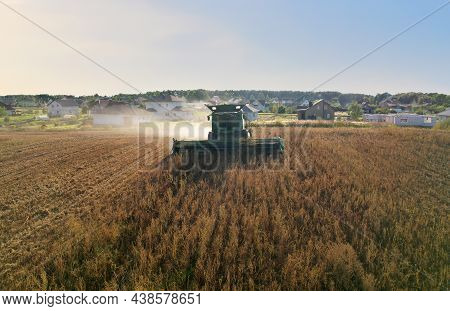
(228, 140)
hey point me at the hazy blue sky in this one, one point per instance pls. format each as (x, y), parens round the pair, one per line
(174, 44)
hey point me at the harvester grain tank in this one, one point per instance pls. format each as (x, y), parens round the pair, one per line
(229, 135)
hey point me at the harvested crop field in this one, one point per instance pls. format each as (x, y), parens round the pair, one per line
(49, 179)
(360, 209)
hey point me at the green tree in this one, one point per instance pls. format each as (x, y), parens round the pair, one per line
(291, 110)
(380, 97)
(197, 95)
(3, 112)
(382, 110)
(281, 109)
(419, 110)
(355, 111)
(273, 108)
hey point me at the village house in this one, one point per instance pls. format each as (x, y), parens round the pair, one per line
(411, 119)
(116, 113)
(169, 108)
(319, 110)
(259, 105)
(62, 107)
(165, 102)
(394, 105)
(444, 115)
(250, 113)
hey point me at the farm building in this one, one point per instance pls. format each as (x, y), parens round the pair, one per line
(411, 119)
(62, 107)
(250, 112)
(115, 113)
(319, 110)
(374, 117)
(444, 115)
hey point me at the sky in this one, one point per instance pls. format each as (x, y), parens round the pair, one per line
(220, 45)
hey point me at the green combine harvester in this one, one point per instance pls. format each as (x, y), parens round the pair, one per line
(229, 138)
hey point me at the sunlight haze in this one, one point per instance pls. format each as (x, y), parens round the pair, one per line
(274, 45)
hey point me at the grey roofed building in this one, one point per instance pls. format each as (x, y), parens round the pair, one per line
(65, 106)
(394, 104)
(258, 105)
(319, 110)
(249, 108)
(250, 113)
(69, 102)
(444, 115)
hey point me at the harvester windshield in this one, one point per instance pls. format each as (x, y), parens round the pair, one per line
(227, 122)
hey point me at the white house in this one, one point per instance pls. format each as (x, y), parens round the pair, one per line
(171, 108)
(250, 113)
(165, 102)
(62, 107)
(411, 119)
(114, 113)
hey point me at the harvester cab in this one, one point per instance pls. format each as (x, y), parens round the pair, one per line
(227, 122)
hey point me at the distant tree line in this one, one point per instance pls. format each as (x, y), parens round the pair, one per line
(421, 102)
